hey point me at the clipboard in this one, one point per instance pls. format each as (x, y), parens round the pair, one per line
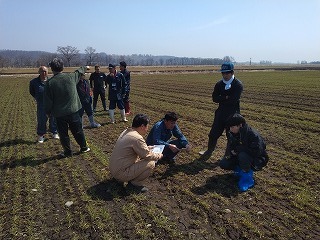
(158, 148)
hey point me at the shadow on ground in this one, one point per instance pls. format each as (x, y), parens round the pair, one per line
(30, 161)
(107, 190)
(191, 168)
(225, 185)
(14, 142)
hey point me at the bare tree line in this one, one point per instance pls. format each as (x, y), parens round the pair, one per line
(72, 57)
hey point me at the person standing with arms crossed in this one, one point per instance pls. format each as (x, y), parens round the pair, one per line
(98, 85)
(126, 74)
(62, 101)
(117, 88)
(226, 93)
(36, 89)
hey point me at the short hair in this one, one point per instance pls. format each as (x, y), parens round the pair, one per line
(56, 65)
(171, 116)
(96, 66)
(140, 119)
(123, 63)
(42, 69)
(235, 120)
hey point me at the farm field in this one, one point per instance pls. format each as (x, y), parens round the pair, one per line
(190, 200)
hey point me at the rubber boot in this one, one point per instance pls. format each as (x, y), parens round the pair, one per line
(246, 180)
(123, 115)
(211, 146)
(111, 115)
(127, 107)
(93, 124)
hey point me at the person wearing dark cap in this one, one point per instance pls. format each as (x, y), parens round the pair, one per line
(117, 90)
(61, 99)
(245, 152)
(227, 94)
(98, 84)
(126, 74)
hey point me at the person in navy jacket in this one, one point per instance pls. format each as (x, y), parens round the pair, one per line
(226, 93)
(117, 91)
(36, 89)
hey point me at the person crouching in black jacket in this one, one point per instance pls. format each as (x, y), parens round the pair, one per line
(245, 153)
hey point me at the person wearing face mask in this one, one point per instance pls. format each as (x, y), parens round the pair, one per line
(226, 93)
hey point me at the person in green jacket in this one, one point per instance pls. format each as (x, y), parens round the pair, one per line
(62, 101)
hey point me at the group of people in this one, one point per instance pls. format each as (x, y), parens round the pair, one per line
(133, 158)
(119, 89)
(64, 97)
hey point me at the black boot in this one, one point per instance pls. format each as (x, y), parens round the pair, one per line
(211, 146)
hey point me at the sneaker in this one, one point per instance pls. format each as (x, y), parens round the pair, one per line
(125, 120)
(55, 136)
(41, 139)
(86, 150)
(137, 189)
(95, 125)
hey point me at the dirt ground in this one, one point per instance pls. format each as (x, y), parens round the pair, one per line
(43, 196)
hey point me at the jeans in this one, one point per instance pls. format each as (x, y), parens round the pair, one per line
(72, 121)
(42, 120)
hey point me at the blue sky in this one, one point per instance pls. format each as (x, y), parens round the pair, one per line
(273, 30)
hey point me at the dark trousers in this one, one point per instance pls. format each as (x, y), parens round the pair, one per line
(167, 153)
(86, 107)
(102, 94)
(119, 103)
(218, 126)
(243, 160)
(126, 97)
(72, 121)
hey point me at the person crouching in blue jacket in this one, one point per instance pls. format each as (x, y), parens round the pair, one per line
(161, 134)
(245, 153)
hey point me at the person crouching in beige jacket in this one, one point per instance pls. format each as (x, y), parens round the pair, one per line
(132, 160)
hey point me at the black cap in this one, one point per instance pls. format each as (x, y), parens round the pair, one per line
(111, 65)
